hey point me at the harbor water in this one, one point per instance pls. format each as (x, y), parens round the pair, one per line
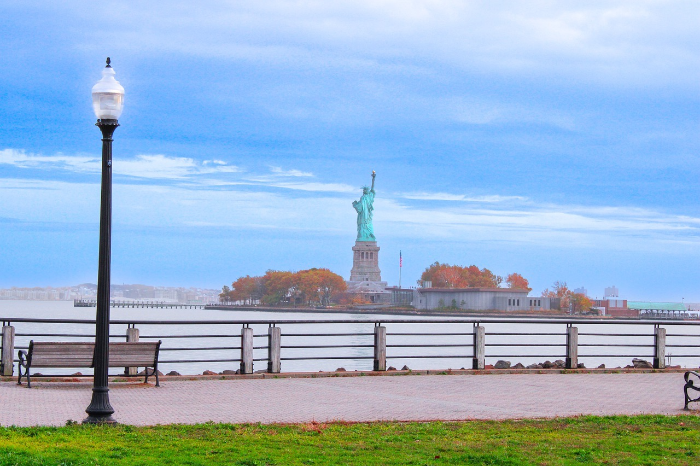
(452, 349)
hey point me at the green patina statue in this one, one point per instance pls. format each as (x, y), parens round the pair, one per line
(364, 208)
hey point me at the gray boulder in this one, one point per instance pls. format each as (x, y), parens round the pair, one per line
(641, 364)
(501, 364)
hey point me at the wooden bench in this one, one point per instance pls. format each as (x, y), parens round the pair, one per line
(75, 354)
(690, 385)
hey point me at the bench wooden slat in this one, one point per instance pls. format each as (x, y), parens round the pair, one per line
(62, 354)
(59, 362)
(132, 354)
(81, 354)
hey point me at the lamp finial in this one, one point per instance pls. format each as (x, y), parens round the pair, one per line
(108, 63)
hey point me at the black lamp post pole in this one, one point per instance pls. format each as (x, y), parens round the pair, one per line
(100, 411)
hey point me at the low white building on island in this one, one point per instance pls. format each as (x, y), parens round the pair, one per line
(481, 299)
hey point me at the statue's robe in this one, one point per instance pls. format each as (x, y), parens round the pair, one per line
(364, 208)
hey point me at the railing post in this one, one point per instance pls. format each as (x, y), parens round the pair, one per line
(478, 362)
(571, 347)
(132, 336)
(379, 347)
(8, 349)
(247, 350)
(659, 347)
(274, 337)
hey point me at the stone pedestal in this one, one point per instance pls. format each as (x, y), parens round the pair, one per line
(365, 276)
(365, 262)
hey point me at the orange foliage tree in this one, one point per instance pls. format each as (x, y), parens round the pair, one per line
(247, 289)
(278, 286)
(319, 285)
(456, 276)
(577, 302)
(312, 286)
(580, 303)
(559, 290)
(517, 281)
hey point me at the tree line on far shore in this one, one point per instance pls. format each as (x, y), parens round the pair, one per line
(306, 287)
(320, 286)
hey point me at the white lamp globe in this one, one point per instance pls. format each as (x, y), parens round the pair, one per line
(107, 96)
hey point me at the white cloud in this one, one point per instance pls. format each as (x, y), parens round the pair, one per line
(141, 166)
(77, 163)
(164, 167)
(318, 187)
(177, 169)
(600, 228)
(459, 197)
(278, 171)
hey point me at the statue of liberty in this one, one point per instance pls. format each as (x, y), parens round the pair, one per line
(364, 208)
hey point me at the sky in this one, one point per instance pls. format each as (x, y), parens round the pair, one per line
(559, 140)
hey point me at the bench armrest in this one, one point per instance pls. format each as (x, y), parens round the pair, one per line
(22, 355)
(689, 381)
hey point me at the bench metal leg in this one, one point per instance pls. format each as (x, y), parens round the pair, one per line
(689, 385)
(153, 371)
(22, 363)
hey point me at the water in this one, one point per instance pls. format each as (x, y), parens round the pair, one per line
(400, 348)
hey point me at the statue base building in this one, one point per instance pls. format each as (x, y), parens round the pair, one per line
(365, 276)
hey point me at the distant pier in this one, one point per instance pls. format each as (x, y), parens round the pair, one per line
(137, 304)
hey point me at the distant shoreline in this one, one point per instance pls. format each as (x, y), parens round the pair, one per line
(393, 311)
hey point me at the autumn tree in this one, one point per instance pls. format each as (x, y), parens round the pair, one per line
(277, 286)
(483, 279)
(580, 303)
(517, 281)
(577, 302)
(319, 285)
(456, 276)
(313, 286)
(225, 295)
(247, 289)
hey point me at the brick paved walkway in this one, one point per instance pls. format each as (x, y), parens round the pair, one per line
(425, 397)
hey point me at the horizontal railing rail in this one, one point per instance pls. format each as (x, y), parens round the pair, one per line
(457, 342)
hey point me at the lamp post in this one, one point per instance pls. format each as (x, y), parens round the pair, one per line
(107, 102)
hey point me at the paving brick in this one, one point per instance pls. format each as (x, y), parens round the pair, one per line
(285, 400)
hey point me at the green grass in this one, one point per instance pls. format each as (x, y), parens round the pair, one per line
(647, 440)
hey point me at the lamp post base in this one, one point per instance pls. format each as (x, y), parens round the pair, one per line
(109, 420)
(100, 411)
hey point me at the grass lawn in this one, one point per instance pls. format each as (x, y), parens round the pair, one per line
(664, 440)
